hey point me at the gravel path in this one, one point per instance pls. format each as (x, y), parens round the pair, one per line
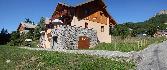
(100, 53)
(153, 58)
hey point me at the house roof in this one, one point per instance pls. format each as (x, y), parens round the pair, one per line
(82, 3)
(28, 25)
(86, 2)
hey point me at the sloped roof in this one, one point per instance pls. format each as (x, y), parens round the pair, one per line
(82, 3)
(162, 12)
(86, 2)
(28, 25)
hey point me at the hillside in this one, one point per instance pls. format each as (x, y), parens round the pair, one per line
(14, 58)
(148, 27)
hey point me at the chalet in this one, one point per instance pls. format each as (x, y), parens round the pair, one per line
(92, 14)
(25, 27)
(91, 17)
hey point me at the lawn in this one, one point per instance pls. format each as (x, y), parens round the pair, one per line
(13, 58)
(129, 44)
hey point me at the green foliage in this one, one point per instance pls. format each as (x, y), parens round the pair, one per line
(21, 59)
(34, 44)
(27, 20)
(123, 47)
(128, 45)
(40, 27)
(148, 27)
(30, 35)
(17, 39)
(120, 30)
(4, 37)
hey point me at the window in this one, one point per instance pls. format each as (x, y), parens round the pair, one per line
(95, 18)
(86, 25)
(102, 28)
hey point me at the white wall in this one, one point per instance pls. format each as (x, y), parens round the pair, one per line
(102, 36)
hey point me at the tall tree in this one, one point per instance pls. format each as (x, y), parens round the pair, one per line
(14, 40)
(4, 37)
(40, 27)
(27, 20)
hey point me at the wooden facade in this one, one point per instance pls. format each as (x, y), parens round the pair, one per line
(64, 13)
(97, 17)
(94, 11)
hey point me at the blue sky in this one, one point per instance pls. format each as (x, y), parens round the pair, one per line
(12, 12)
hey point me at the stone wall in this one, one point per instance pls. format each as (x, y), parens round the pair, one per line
(67, 37)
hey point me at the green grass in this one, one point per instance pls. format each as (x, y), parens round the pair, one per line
(34, 44)
(22, 59)
(128, 45)
(124, 47)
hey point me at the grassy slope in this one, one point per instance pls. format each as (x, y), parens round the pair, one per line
(22, 59)
(123, 47)
(127, 46)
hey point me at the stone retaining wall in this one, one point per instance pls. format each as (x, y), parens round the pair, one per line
(68, 37)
